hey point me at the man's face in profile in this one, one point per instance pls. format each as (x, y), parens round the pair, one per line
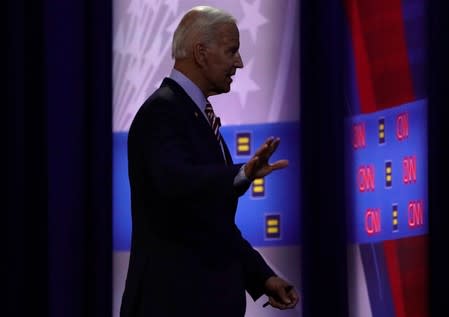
(223, 58)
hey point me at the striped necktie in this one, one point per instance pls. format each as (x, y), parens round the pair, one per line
(213, 120)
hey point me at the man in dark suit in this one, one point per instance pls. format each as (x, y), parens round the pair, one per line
(188, 258)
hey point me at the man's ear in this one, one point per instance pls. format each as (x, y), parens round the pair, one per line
(200, 54)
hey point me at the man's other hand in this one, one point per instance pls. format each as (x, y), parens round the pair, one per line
(281, 294)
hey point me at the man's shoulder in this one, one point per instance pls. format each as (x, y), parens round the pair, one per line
(168, 94)
(168, 99)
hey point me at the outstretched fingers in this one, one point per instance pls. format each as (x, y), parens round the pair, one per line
(273, 146)
(259, 166)
(268, 148)
(279, 164)
(264, 148)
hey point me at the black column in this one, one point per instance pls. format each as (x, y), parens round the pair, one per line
(79, 113)
(438, 156)
(26, 161)
(322, 157)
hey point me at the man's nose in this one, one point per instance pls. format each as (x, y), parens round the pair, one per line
(238, 62)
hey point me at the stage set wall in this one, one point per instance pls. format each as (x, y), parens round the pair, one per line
(58, 191)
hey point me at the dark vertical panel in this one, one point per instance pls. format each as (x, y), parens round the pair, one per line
(78, 63)
(26, 205)
(57, 125)
(99, 100)
(322, 127)
(438, 133)
(67, 109)
(35, 159)
(15, 183)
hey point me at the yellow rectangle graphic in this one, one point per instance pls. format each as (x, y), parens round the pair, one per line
(272, 222)
(258, 189)
(258, 181)
(243, 148)
(395, 221)
(388, 178)
(395, 214)
(272, 230)
(243, 140)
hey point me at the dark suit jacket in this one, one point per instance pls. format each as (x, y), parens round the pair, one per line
(188, 258)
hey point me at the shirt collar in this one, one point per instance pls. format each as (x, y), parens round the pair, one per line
(190, 88)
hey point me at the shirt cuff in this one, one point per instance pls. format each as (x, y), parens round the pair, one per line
(241, 179)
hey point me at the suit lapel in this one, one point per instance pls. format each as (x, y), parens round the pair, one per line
(197, 116)
(227, 152)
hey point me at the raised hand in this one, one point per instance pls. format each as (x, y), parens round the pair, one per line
(258, 166)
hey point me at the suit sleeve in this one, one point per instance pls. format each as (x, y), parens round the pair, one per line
(256, 271)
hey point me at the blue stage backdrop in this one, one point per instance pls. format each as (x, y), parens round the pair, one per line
(264, 101)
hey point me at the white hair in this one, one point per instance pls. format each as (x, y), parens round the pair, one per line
(203, 26)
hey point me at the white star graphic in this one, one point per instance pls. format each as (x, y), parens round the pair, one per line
(245, 83)
(252, 19)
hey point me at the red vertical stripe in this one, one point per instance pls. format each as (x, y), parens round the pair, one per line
(380, 52)
(412, 253)
(394, 274)
(383, 31)
(362, 67)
